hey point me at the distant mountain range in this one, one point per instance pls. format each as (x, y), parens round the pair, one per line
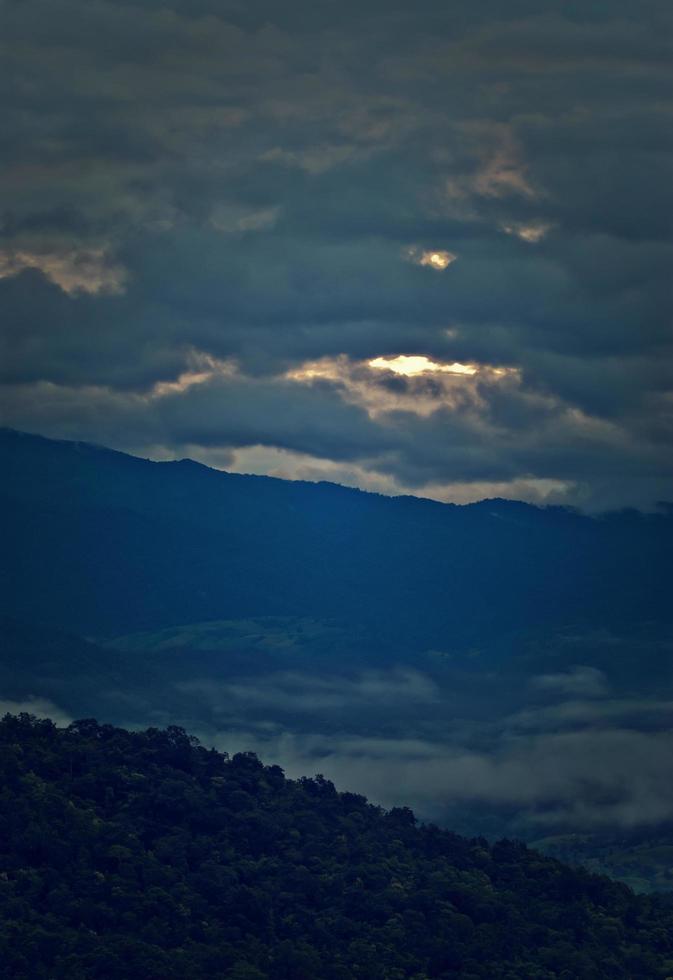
(503, 668)
(104, 543)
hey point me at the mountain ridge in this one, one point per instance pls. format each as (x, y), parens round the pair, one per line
(93, 535)
(9, 435)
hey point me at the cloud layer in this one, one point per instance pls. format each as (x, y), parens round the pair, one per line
(201, 202)
(575, 757)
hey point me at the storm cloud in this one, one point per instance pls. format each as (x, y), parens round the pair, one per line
(221, 224)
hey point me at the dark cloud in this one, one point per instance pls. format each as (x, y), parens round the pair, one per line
(256, 184)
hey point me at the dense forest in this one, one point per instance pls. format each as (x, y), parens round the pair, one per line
(144, 854)
(101, 544)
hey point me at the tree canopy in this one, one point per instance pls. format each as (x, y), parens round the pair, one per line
(144, 854)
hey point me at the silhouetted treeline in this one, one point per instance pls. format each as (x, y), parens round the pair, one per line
(146, 855)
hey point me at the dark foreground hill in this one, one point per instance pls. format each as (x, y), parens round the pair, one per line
(143, 855)
(101, 543)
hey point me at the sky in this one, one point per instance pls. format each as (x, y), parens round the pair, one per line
(417, 248)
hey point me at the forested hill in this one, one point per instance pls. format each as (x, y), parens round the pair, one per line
(143, 854)
(101, 543)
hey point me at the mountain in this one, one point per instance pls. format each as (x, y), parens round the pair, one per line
(102, 543)
(505, 669)
(144, 854)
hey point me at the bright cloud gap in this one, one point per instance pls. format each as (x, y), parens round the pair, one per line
(434, 258)
(411, 364)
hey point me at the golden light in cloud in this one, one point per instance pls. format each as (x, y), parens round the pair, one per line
(455, 386)
(203, 368)
(504, 170)
(418, 364)
(436, 258)
(86, 270)
(532, 233)
(330, 368)
(292, 465)
(182, 383)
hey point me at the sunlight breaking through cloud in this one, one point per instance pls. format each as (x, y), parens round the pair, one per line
(413, 384)
(437, 258)
(419, 364)
(477, 189)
